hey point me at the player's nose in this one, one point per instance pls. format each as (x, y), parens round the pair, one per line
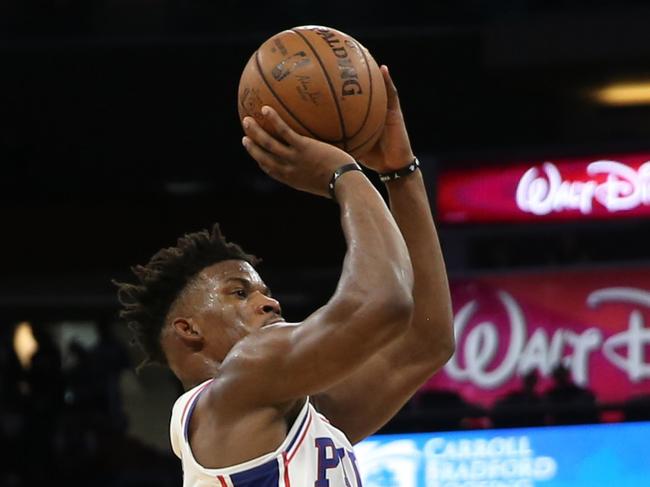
(266, 305)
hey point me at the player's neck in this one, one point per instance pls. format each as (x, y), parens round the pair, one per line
(195, 371)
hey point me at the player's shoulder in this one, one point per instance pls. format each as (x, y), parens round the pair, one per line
(180, 411)
(182, 402)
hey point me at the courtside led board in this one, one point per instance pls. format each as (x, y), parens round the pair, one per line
(568, 456)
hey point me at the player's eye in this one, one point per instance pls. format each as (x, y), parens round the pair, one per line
(240, 293)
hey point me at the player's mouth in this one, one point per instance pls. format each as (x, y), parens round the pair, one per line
(272, 321)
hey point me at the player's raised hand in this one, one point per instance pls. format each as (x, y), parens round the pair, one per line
(301, 162)
(393, 149)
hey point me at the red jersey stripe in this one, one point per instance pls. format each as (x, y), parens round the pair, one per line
(302, 438)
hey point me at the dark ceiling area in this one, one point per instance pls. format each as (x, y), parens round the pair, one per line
(119, 130)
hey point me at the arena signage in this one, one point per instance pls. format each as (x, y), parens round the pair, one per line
(565, 189)
(576, 456)
(593, 321)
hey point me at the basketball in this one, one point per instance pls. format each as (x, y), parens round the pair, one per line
(322, 82)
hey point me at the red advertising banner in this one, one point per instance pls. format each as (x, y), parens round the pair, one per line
(567, 189)
(593, 321)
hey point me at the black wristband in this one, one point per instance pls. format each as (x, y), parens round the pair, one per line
(410, 168)
(338, 173)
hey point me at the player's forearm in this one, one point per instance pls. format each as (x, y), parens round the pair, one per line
(377, 268)
(432, 324)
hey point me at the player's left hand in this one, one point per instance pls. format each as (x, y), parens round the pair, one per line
(393, 149)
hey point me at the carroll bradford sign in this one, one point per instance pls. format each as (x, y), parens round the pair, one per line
(570, 456)
(565, 189)
(593, 321)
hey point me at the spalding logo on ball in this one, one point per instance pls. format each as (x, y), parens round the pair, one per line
(322, 82)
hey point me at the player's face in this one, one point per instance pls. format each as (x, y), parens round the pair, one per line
(234, 303)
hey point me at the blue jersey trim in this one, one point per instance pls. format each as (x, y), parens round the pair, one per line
(188, 415)
(297, 435)
(265, 475)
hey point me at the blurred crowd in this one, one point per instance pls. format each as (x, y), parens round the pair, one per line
(562, 403)
(67, 424)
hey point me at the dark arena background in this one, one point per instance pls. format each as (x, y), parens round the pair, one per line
(119, 132)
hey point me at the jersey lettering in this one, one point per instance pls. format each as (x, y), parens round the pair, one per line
(341, 453)
(353, 461)
(330, 457)
(325, 460)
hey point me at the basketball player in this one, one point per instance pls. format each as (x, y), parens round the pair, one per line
(270, 403)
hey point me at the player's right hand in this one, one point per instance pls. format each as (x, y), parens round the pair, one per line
(301, 162)
(393, 149)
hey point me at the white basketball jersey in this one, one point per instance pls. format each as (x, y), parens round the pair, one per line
(314, 454)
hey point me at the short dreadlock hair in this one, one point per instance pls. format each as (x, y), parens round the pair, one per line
(146, 303)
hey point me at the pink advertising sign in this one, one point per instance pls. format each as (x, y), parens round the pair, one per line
(593, 321)
(610, 186)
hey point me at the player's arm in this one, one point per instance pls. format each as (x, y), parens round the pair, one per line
(371, 305)
(368, 398)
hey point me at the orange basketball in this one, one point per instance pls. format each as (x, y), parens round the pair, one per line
(322, 82)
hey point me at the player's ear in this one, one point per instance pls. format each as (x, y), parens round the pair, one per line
(187, 330)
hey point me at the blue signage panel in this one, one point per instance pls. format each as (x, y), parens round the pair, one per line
(613, 454)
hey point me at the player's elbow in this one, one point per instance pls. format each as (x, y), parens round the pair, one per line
(446, 348)
(432, 343)
(443, 348)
